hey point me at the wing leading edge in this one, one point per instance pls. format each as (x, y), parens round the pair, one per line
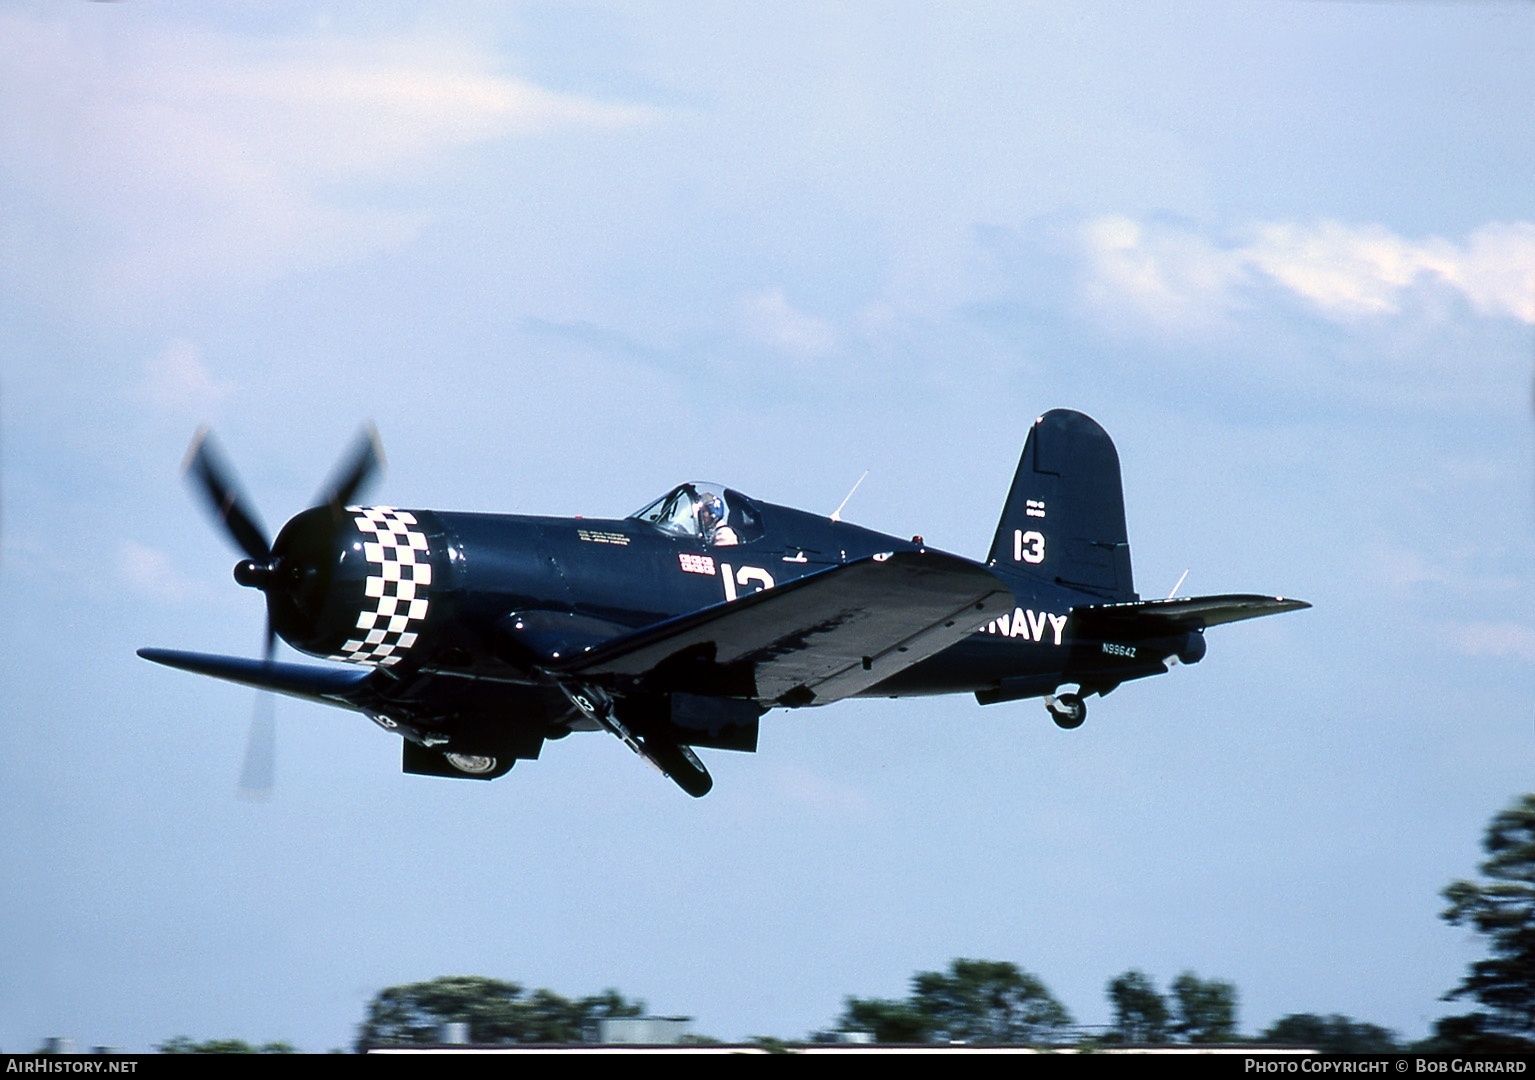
(330, 686)
(814, 640)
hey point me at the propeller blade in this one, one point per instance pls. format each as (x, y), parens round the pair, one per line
(271, 641)
(359, 467)
(215, 480)
(211, 475)
(259, 772)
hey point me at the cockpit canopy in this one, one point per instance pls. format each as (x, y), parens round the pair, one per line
(711, 513)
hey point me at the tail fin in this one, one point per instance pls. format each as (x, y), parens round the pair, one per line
(1064, 520)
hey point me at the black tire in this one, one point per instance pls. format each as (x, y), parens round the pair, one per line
(1069, 711)
(429, 761)
(682, 765)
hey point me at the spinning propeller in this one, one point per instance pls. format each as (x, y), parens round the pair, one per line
(286, 572)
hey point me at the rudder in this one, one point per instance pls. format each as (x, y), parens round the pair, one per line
(1064, 520)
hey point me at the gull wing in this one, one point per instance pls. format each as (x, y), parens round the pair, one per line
(329, 686)
(814, 640)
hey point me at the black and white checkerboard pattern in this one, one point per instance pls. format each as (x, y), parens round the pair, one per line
(396, 592)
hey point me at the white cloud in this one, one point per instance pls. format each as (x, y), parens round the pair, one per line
(1173, 276)
(1177, 277)
(1498, 273)
(173, 158)
(177, 381)
(149, 572)
(1494, 639)
(770, 318)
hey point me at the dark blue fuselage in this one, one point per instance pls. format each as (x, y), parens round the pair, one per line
(478, 637)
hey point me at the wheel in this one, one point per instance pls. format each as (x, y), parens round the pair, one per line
(456, 764)
(1068, 711)
(682, 765)
(473, 764)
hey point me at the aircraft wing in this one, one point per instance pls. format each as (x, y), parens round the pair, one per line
(1182, 613)
(817, 639)
(330, 686)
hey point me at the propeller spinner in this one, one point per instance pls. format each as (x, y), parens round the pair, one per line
(293, 574)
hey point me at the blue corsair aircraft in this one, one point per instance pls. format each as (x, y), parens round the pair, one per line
(477, 637)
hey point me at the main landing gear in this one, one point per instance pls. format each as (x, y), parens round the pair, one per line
(1067, 710)
(672, 758)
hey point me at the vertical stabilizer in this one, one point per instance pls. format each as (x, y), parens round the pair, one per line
(1064, 521)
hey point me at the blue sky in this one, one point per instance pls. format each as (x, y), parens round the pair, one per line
(567, 255)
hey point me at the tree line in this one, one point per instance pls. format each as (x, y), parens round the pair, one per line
(992, 1001)
(986, 1001)
(973, 1001)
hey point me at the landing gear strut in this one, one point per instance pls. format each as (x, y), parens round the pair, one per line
(1068, 710)
(672, 758)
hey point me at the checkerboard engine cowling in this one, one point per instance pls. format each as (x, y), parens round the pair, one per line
(396, 588)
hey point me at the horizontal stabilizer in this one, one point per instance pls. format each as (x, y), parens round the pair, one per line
(817, 639)
(324, 684)
(1180, 614)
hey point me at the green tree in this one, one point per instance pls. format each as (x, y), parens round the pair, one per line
(1501, 909)
(987, 1001)
(887, 1021)
(1333, 1034)
(183, 1045)
(1140, 1012)
(1204, 1010)
(980, 1001)
(495, 1010)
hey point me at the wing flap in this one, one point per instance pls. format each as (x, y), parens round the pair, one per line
(820, 638)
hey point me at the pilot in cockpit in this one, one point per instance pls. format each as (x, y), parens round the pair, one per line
(711, 515)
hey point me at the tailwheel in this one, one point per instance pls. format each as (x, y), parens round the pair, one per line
(1068, 710)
